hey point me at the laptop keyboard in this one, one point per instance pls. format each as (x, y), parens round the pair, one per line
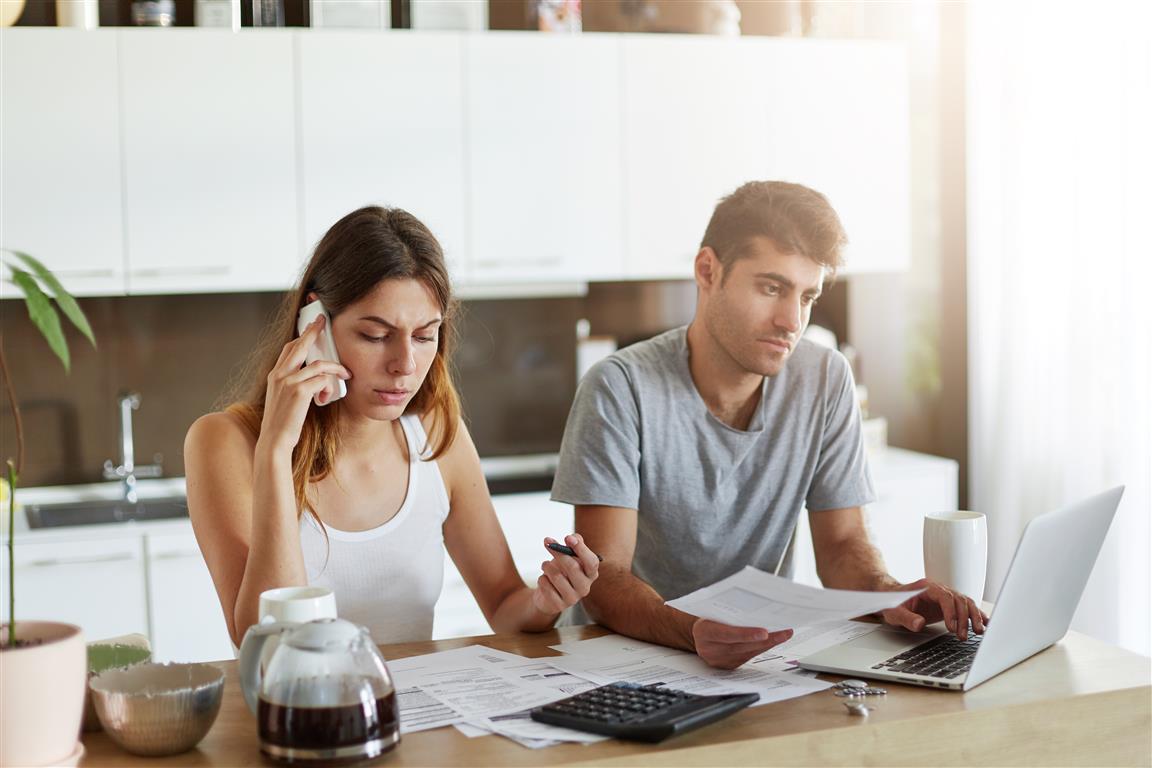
(943, 656)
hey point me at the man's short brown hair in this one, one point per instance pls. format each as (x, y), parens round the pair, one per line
(795, 218)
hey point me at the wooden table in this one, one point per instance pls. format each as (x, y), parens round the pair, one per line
(1081, 702)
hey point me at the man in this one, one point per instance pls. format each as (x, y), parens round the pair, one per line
(692, 454)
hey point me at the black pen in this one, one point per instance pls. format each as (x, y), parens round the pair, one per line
(564, 550)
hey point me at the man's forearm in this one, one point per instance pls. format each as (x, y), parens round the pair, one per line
(854, 564)
(627, 605)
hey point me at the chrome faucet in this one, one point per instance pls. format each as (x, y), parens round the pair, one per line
(127, 472)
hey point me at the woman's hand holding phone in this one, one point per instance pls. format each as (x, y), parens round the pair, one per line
(324, 348)
(293, 383)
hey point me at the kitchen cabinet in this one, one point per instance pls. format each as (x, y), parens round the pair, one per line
(187, 620)
(840, 124)
(544, 157)
(382, 122)
(213, 161)
(98, 585)
(121, 578)
(60, 161)
(695, 128)
(209, 130)
(704, 115)
(908, 486)
(526, 519)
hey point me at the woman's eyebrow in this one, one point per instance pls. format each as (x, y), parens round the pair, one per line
(390, 326)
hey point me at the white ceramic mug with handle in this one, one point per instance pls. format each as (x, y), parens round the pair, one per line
(296, 605)
(956, 551)
(287, 606)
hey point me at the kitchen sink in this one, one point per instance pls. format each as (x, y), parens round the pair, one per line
(104, 511)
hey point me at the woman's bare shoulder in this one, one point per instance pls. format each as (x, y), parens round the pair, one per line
(218, 458)
(462, 445)
(219, 431)
(459, 463)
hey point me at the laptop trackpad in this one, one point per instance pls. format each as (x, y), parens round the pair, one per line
(892, 640)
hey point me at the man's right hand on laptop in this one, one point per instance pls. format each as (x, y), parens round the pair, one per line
(726, 647)
(937, 602)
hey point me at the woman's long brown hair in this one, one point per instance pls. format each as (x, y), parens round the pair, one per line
(365, 247)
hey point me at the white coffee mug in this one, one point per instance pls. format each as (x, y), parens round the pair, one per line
(296, 605)
(956, 551)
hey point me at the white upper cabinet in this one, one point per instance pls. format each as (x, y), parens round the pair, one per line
(696, 128)
(544, 157)
(210, 160)
(200, 160)
(60, 155)
(840, 124)
(705, 115)
(382, 122)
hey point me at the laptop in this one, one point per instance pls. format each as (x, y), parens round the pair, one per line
(1034, 609)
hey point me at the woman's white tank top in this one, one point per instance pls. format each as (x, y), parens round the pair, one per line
(388, 578)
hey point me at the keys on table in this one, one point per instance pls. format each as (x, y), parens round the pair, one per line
(857, 692)
(857, 688)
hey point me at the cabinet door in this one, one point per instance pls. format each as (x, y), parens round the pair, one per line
(382, 122)
(210, 159)
(60, 183)
(696, 127)
(908, 485)
(840, 124)
(96, 584)
(544, 164)
(187, 620)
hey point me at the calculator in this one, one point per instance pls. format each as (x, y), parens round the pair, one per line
(640, 712)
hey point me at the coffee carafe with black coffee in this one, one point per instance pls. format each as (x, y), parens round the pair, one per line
(324, 694)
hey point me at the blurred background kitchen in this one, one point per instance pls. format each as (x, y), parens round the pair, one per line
(568, 154)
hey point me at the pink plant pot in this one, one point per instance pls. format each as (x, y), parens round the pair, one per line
(41, 694)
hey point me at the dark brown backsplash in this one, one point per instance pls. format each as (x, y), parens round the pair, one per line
(178, 352)
(515, 367)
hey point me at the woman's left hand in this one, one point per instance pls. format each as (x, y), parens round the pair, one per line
(566, 579)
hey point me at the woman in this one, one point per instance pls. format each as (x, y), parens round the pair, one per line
(364, 494)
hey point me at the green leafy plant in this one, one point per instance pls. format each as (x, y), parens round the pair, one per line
(35, 282)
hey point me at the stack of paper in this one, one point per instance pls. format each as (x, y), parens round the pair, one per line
(481, 691)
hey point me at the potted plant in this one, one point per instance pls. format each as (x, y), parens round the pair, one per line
(43, 664)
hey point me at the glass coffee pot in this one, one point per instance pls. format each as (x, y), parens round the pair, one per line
(324, 693)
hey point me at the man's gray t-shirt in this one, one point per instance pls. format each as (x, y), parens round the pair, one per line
(711, 499)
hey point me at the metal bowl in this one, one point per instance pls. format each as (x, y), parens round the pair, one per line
(158, 709)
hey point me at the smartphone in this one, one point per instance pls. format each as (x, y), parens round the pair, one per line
(323, 349)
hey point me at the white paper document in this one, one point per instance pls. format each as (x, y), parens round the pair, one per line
(472, 683)
(781, 658)
(816, 637)
(521, 728)
(753, 598)
(610, 646)
(686, 672)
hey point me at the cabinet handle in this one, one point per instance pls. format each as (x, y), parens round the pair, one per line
(174, 555)
(554, 261)
(179, 271)
(85, 273)
(82, 560)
